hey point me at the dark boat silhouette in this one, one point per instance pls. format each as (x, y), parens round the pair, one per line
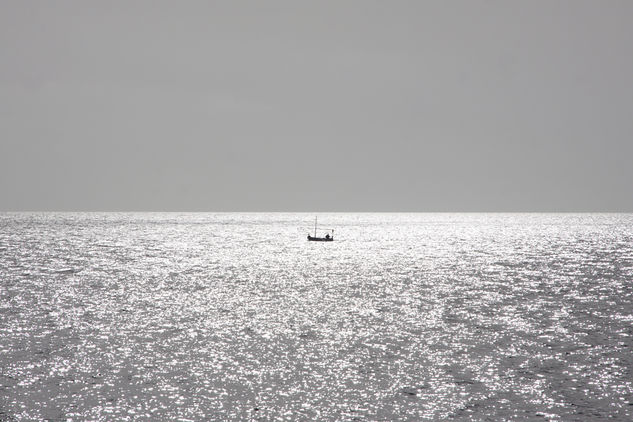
(315, 238)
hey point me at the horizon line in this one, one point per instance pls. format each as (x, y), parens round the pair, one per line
(321, 212)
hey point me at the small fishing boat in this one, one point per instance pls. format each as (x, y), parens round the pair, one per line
(326, 238)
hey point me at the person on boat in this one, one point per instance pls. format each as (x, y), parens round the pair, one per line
(327, 236)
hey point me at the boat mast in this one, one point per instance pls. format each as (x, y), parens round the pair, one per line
(315, 221)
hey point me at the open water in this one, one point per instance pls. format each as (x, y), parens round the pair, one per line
(235, 316)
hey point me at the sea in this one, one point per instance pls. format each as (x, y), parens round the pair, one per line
(237, 317)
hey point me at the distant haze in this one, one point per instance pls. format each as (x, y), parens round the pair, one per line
(316, 105)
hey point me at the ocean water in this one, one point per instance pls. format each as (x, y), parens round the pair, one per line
(115, 316)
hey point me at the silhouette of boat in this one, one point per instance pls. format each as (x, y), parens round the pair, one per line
(315, 238)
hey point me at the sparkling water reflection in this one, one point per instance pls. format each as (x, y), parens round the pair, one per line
(236, 316)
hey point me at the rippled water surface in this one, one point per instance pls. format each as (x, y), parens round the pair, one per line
(237, 317)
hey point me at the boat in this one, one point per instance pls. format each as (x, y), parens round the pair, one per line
(315, 238)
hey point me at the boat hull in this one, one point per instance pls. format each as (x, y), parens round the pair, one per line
(320, 239)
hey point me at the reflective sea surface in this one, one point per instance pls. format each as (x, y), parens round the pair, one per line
(235, 316)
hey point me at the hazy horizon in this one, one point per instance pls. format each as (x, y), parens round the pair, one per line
(354, 106)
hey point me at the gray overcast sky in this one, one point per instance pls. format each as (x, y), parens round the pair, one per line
(316, 105)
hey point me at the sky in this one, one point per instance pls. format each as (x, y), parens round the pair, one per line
(316, 105)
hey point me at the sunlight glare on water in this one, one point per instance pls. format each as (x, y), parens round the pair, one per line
(235, 316)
